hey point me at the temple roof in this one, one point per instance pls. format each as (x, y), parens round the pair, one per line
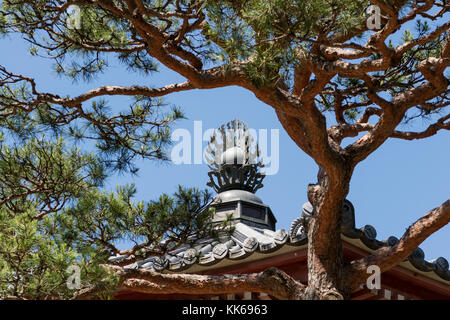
(244, 241)
(252, 234)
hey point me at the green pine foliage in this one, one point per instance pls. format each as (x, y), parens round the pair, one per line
(54, 214)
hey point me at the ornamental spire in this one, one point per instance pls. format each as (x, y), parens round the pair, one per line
(234, 159)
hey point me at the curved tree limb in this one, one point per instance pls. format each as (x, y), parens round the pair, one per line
(430, 131)
(388, 257)
(271, 281)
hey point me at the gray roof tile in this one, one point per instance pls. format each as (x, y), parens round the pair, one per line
(245, 240)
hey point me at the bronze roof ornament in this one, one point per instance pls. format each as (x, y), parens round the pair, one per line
(234, 160)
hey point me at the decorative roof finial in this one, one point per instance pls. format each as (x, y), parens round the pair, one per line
(234, 159)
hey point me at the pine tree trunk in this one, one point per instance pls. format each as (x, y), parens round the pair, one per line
(325, 267)
(325, 256)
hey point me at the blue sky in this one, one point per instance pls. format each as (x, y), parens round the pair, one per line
(391, 189)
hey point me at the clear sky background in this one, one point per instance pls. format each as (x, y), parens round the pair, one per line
(391, 189)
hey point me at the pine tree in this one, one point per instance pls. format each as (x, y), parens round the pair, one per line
(306, 59)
